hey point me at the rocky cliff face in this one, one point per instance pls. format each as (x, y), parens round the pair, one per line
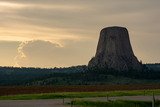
(114, 50)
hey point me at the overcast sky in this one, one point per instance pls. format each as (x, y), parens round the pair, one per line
(49, 33)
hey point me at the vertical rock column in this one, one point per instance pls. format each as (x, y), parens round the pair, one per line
(114, 51)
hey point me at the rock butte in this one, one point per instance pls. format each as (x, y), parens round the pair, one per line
(114, 51)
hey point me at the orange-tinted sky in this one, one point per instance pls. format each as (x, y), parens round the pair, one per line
(49, 33)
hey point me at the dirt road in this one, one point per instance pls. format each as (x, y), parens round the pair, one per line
(132, 98)
(33, 103)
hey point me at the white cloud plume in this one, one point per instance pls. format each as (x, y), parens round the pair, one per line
(20, 54)
(39, 53)
(26, 52)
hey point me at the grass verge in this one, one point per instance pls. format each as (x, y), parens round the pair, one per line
(118, 103)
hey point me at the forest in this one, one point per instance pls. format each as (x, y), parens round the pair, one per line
(77, 75)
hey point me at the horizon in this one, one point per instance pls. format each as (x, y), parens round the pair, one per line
(59, 33)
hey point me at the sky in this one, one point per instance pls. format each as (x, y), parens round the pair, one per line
(62, 33)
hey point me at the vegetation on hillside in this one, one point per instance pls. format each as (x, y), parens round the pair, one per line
(78, 75)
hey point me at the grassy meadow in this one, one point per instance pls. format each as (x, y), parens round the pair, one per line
(118, 103)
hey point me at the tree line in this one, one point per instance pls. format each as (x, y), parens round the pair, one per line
(77, 75)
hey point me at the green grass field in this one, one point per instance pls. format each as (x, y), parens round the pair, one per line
(79, 95)
(118, 103)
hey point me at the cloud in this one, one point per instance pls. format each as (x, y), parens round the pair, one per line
(8, 7)
(38, 53)
(35, 53)
(52, 19)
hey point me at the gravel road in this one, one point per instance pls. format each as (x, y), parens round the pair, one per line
(33, 103)
(132, 98)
